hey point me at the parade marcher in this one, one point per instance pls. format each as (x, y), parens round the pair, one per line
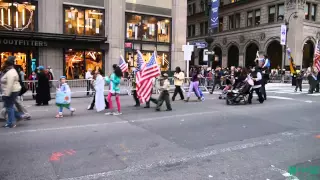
(151, 99)
(256, 77)
(99, 91)
(114, 85)
(43, 89)
(11, 88)
(217, 79)
(299, 78)
(164, 95)
(32, 84)
(88, 80)
(92, 104)
(194, 84)
(312, 79)
(134, 91)
(63, 97)
(317, 87)
(178, 81)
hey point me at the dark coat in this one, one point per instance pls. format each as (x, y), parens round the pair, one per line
(43, 89)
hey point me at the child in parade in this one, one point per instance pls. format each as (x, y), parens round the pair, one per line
(63, 97)
(164, 95)
(114, 85)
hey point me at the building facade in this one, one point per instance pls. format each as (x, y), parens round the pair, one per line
(73, 36)
(248, 26)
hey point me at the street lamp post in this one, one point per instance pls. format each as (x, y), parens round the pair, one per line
(287, 30)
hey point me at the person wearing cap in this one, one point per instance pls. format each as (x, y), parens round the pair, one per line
(63, 97)
(43, 89)
(11, 88)
(164, 95)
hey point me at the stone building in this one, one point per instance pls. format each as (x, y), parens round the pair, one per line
(73, 36)
(248, 26)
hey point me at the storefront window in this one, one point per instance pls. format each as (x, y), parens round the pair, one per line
(21, 61)
(17, 16)
(74, 21)
(93, 60)
(149, 28)
(94, 22)
(3, 57)
(164, 30)
(74, 64)
(133, 27)
(162, 59)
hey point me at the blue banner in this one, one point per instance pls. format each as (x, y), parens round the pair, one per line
(214, 14)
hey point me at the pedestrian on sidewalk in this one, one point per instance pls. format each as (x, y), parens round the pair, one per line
(88, 80)
(43, 95)
(114, 89)
(178, 82)
(164, 95)
(63, 97)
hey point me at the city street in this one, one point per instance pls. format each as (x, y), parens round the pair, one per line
(196, 141)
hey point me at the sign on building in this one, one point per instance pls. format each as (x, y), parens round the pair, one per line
(283, 34)
(214, 14)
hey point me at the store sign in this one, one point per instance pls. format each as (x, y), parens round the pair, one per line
(128, 45)
(214, 14)
(20, 42)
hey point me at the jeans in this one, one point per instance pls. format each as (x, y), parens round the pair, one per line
(194, 86)
(176, 91)
(8, 104)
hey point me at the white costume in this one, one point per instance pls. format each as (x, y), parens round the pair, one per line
(99, 96)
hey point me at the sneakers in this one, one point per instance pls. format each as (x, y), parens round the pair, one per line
(72, 111)
(59, 115)
(9, 126)
(113, 113)
(26, 116)
(108, 113)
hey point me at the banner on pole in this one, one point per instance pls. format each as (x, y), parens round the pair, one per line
(214, 14)
(283, 34)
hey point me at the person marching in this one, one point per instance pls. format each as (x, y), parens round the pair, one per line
(63, 97)
(93, 102)
(299, 78)
(256, 77)
(151, 99)
(134, 91)
(98, 84)
(114, 84)
(164, 95)
(178, 81)
(194, 84)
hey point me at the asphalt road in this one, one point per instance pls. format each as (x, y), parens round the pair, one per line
(196, 141)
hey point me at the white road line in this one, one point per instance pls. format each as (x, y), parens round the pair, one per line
(284, 173)
(317, 94)
(202, 155)
(110, 123)
(279, 97)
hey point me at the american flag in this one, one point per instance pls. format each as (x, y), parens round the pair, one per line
(316, 59)
(147, 75)
(123, 65)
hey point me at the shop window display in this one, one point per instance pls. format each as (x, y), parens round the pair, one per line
(149, 28)
(4, 56)
(94, 22)
(74, 64)
(133, 27)
(162, 59)
(17, 16)
(93, 60)
(74, 21)
(21, 60)
(164, 30)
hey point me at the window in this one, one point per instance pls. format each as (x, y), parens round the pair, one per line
(191, 9)
(74, 64)
(202, 28)
(313, 12)
(164, 30)
(133, 26)
(191, 30)
(206, 27)
(306, 11)
(231, 22)
(94, 22)
(149, 28)
(250, 19)
(17, 16)
(221, 24)
(237, 21)
(272, 13)
(280, 12)
(93, 60)
(257, 17)
(83, 21)
(77, 62)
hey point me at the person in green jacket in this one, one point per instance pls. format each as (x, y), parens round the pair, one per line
(114, 89)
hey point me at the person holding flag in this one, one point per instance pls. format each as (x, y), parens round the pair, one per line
(316, 61)
(123, 65)
(292, 67)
